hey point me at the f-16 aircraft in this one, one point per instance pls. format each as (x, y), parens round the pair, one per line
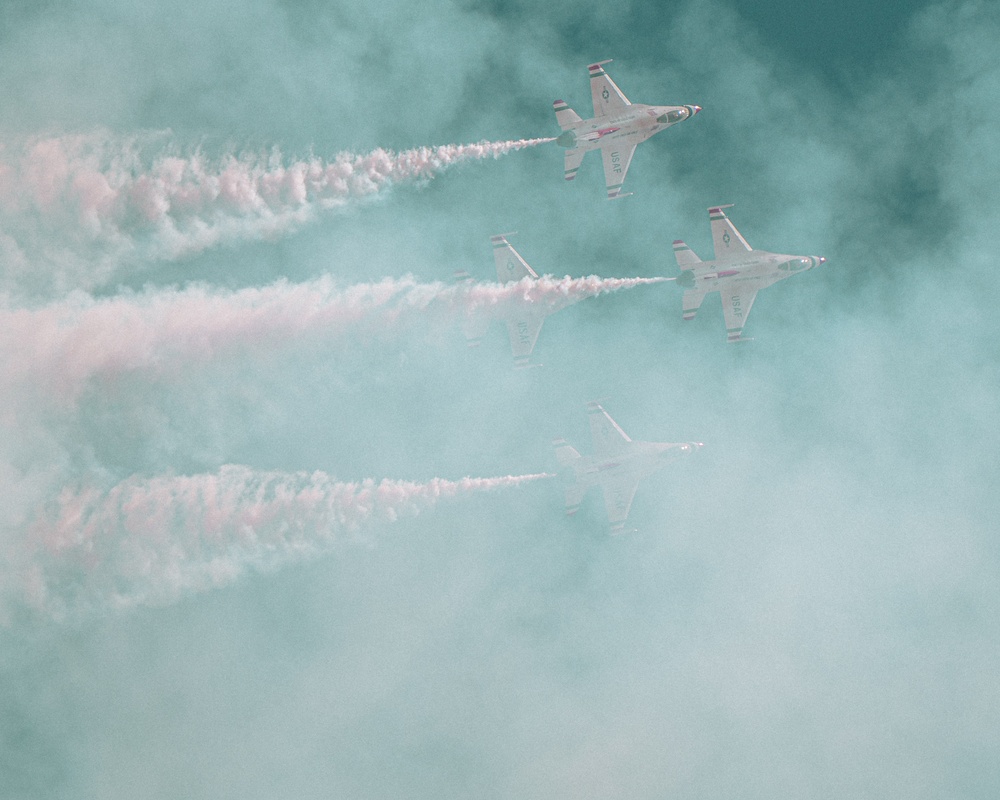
(524, 321)
(617, 465)
(617, 128)
(737, 273)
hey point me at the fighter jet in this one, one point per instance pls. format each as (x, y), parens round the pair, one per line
(737, 273)
(524, 321)
(617, 465)
(617, 127)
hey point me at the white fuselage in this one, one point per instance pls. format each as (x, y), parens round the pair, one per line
(642, 459)
(630, 125)
(756, 269)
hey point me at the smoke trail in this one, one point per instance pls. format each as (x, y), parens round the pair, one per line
(546, 291)
(78, 206)
(53, 352)
(152, 541)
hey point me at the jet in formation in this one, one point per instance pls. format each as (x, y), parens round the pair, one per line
(524, 320)
(737, 273)
(616, 129)
(617, 465)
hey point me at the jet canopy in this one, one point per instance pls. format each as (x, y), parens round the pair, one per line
(795, 264)
(675, 115)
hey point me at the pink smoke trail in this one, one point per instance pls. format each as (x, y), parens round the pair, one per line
(152, 541)
(58, 349)
(85, 203)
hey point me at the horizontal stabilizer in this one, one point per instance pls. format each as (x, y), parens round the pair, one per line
(686, 258)
(574, 498)
(573, 160)
(692, 302)
(565, 116)
(566, 454)
(474, 326)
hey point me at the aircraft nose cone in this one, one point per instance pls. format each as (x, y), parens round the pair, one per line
(696, 109)
(822, 260)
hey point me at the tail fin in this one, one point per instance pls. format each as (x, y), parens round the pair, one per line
(686, 258)
(565, 116)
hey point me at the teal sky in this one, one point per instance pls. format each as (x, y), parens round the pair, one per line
(810, 605)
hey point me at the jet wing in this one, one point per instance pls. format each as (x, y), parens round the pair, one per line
(736, 306)
(609, 439)
(510, 265)
(729, 243)
(616, 157)
(608, 98)
(523, 330)
(618, 496)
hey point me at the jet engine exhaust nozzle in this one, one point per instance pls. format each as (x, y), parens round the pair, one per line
(686, 279)
(566, 139)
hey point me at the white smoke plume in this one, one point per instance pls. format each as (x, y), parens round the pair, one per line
(152, 541)
(546, 292)
(55, 351)
(74, 208)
